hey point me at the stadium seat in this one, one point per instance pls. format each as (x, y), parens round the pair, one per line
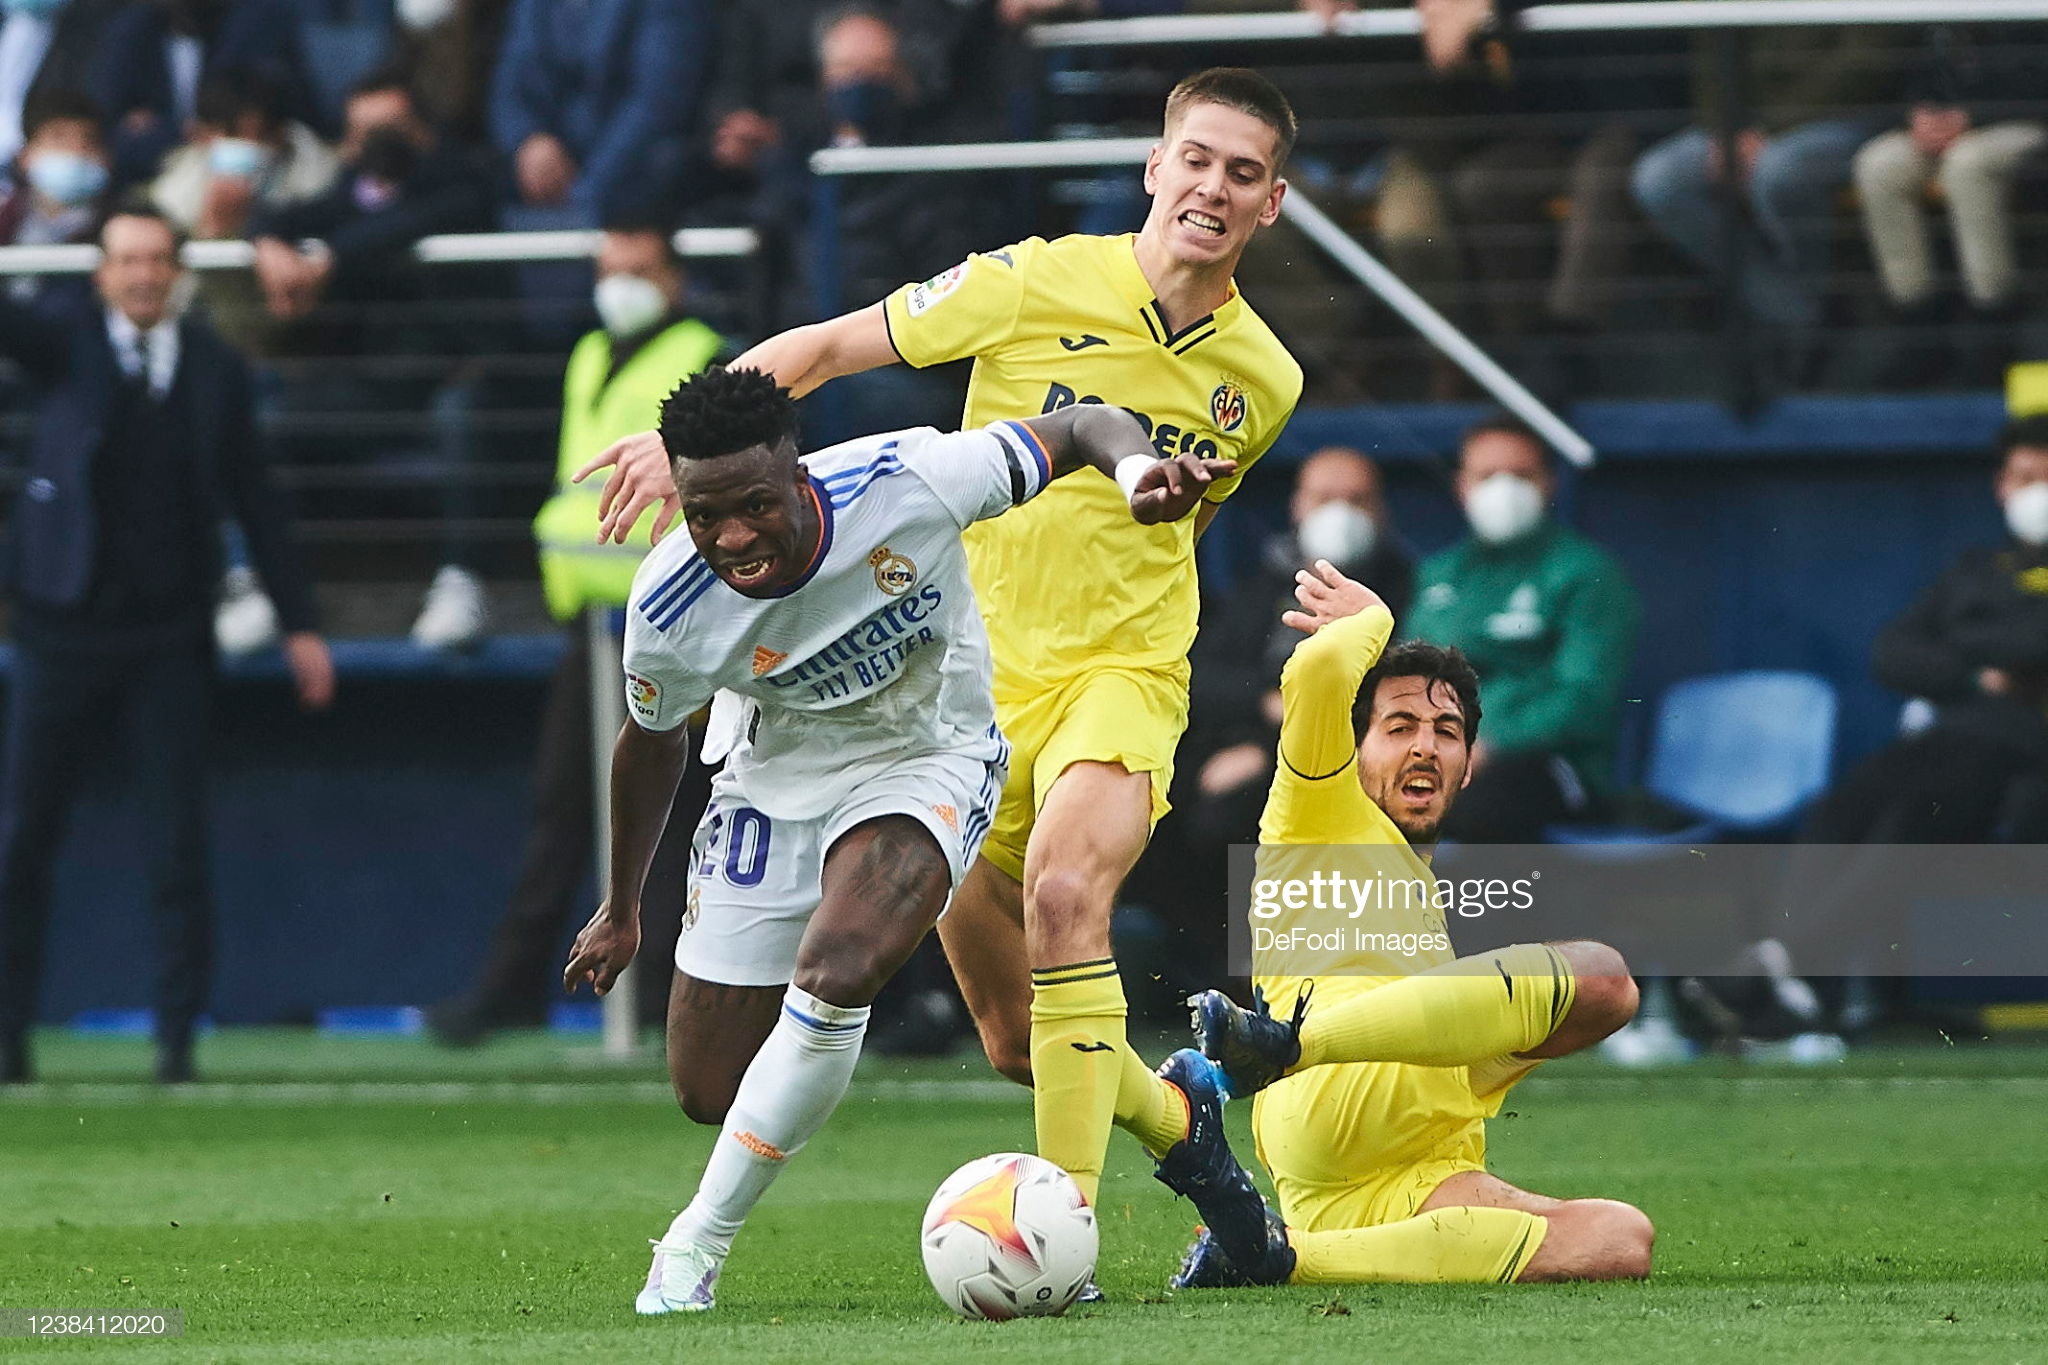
(1742, 753)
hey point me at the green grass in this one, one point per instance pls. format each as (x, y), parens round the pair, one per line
(1887, 1210)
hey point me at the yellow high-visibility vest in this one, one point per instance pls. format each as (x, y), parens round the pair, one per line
(575, 571)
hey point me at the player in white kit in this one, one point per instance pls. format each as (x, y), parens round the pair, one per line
(829, 596)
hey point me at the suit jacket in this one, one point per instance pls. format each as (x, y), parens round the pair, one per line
(630, 88)
(70, 361)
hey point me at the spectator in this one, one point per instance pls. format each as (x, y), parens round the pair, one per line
(45, 46)
(1811, 86)
(1549, 620)
(1975, 643)
(617, 376)
(449, 49)
(157, 53)
(1338, 512)
(59, 186)
(1960, 136)
(359, 292)
(889, 228)
(145, 439)
(244, 158)
(1502, 187)
(593, 99)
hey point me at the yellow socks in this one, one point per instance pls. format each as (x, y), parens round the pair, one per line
(1077, 1064)
(1147, 1108)
(1472, 1010)
(1443, 1246)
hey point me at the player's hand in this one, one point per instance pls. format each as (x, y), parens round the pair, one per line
(602, 951)
(640, 478)
(1327, 596)
(1171, 489)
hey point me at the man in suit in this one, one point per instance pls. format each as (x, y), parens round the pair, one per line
(145, 440)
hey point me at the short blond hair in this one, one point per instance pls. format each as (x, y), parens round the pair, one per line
(1242, 89)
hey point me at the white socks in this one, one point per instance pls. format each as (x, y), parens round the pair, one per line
(795, 1082)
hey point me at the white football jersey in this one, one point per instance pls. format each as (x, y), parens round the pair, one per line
(876, 654)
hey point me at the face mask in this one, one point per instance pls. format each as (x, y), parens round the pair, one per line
(629, 305)
(868, 105)
(237, 158)
(1338, 532)
(37, 9)
(2026, 514)
(66, 177)
(422, 14)
(1503, 507)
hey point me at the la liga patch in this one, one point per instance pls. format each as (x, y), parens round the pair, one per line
(643, 697)
(928, 294)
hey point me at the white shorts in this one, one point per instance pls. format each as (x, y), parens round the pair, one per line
(754, 882)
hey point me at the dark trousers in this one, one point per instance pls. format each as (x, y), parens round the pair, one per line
(151, 706)
(523, 969)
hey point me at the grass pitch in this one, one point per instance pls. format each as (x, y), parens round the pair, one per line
(381, 1201)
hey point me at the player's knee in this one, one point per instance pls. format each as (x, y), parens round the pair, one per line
(701, 1105)
(1630, 1236)
(1063, 902)
(1605, 993)
(849, 972)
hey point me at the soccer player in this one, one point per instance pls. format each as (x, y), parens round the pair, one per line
(1090, 617)
(1373, 1094)
(830, 595)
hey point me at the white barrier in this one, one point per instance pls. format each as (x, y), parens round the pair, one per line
(472, 248)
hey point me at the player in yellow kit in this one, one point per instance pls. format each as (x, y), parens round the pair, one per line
(1090, 618)
(1375, 1076)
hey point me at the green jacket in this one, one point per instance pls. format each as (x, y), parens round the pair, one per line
(599, 407)
(1549, 621)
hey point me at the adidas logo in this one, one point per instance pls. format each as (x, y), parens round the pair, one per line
(766, 658)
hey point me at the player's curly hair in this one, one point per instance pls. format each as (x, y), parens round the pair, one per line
(722, 412)
(1432, 663)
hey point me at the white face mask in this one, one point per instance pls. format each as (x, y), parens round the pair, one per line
(1503, 507)
(1338, 532)
(629, 304)
(419, 14)
(2026, 513)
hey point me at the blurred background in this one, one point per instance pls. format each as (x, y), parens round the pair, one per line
(1786, 280)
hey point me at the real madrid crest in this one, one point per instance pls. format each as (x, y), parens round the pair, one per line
(893, 573)
(1227, 406)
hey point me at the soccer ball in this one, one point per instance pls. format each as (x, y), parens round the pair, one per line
(1009, 1236)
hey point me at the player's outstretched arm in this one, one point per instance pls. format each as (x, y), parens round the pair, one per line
(801, 359)
(1111, 440)
(646, 767)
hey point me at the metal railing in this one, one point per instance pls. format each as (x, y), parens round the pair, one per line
(466, 248)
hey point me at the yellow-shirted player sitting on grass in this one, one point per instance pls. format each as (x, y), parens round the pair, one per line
(1375, 1080)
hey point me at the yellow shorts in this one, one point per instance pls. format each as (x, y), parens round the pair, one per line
(1106, 715)
(1364, 1143)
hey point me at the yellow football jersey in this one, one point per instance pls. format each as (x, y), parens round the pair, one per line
(1069, 582)
(1315, 802)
